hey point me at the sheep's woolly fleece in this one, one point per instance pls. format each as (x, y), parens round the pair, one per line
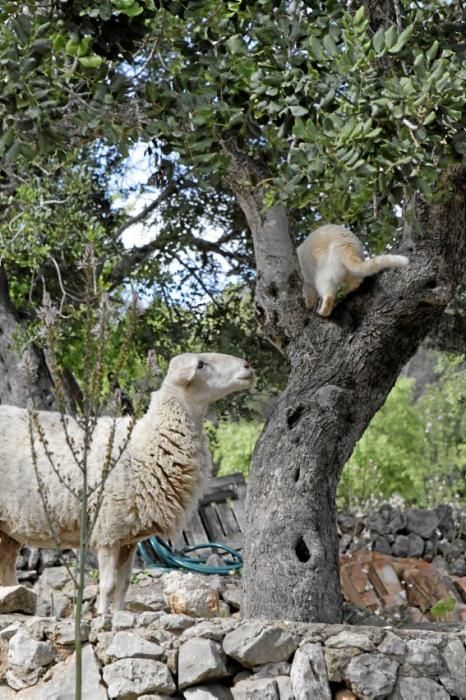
(150, 489)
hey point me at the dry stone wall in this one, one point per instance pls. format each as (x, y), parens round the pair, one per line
(157, 655)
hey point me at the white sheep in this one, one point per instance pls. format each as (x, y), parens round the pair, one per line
(155, 483)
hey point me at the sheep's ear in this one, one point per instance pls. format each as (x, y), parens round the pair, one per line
(185, 374)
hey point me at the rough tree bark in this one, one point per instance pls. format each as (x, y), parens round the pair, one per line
(341, 370)
(23, 375)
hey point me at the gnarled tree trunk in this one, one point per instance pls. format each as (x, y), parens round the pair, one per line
(23, 374)
(341, 370)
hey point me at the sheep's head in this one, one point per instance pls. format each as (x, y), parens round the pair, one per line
(209, 376)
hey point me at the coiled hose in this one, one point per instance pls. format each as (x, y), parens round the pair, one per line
(158, 554)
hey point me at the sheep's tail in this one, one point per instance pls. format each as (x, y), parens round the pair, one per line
(366, 268)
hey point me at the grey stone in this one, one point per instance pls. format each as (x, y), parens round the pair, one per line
(127, 645)
(18, 678)
(127, 678)
(348, 523)
(208, 692)
(386, 520)
(34, 558)
(64, 632)
(285, 690)
(210, 630)
(61, 685)
(49, 557)
(261, 689)
(232, 596)
(446, 523)
(381, 544)
(393, 645)
(309, 674)
(456, 687)
(346, 639)
(200, 660)
(123, 620)
(7, 632)
(29, 654)
(457, 567)
(190, 594)
(337, 660)
(272, 670)
(455, 658)
(371, 675)
(175, 623)
(56, 577)
(422, 521)
(408, 546)
(344, 543)
(17, 599)
(418, 689)
(255, 643)
(424, 657)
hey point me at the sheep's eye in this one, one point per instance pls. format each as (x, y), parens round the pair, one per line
(200, 364)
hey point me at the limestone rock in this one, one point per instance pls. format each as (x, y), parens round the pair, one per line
(422, 521)
(455, 658)
(208, 692)
(123, 620)
(232, 596)
(61, 684)
(455, 686)
(210, 629)
(200, 660)
(423, 657)
(418, 689)
(128, 677)
(371, 675)
(309, 674)
(63, 632)
(411, 545)
(285, 690)
(3, 658)
(255, 643)
(337, 660)
(393, 645)
(17, 599)
(262, 689)
(29, 654)
(346, 639)
(175, 623)
(127, 645)
(190, 595)
(282, 668)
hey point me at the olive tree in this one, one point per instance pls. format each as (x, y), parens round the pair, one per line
(350, 113)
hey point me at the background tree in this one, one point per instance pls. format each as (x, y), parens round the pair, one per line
(306, 112)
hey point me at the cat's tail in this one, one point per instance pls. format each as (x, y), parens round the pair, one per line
(366, 268)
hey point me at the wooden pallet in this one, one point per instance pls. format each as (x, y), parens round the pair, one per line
(220, 515)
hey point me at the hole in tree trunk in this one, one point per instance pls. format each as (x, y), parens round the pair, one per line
(302, 551)
(293, 415)
(296, 473)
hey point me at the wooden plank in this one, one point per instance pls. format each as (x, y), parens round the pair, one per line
(212, 523)
(195, 532)
(229, 523)
(239, 507)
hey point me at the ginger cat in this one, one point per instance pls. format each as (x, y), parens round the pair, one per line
(332, 258)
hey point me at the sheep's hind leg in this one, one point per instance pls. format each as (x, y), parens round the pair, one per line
(123, 575)
(108, 559)
(9, 550)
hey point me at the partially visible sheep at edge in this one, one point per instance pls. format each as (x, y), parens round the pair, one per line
(157, 480)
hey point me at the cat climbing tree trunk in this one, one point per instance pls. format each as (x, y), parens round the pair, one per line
(341, 370)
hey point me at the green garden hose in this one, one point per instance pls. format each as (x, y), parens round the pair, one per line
(157, 553)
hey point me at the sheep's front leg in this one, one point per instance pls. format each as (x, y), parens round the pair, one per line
(108, 559)
(9, 550)
(123, 575)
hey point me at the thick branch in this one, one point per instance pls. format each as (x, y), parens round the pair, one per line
(278, 299)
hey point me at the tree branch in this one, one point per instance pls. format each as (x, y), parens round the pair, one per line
(278, 298)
